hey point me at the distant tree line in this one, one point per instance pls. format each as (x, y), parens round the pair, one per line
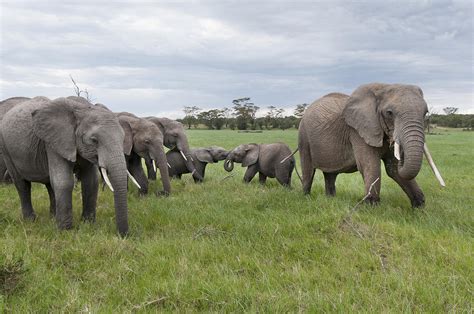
(453, 120)
(242, 116)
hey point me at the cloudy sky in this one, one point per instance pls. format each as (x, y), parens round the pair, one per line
(153, 58)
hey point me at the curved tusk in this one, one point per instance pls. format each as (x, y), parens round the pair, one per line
(432, 165)
(169, 166)
(396, 150)
(133, 180)
(154, 164)
(106, 178)
(182, 154)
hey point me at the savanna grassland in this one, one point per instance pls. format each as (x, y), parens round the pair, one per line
(226, 246)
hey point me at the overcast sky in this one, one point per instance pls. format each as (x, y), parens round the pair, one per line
(153, 59)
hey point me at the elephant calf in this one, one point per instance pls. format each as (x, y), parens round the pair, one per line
(266, 159)
(200, 158)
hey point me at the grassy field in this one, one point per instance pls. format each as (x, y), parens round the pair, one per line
(226, 246)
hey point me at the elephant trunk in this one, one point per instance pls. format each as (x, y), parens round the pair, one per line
(229, 163)
(183, 148)
(159, 157)
(412, 139)
(117, 172)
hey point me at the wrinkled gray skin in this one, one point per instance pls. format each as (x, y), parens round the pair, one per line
(45, 141)
(143, 139)
(264, 159)
(5, 106)
(174, 138)
(341, 134)
(201, 157)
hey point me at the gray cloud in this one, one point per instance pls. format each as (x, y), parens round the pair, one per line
(153, 58)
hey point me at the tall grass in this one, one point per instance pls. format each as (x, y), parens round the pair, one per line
(227, 246)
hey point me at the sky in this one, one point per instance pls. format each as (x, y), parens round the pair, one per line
(155, 57)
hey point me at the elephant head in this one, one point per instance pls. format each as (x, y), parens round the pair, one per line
(71, 128)
(146, 140)
(395, 112)
(175, 138)
(211, 154)
(246, 154)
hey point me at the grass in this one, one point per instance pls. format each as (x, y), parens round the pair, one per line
(226, 246)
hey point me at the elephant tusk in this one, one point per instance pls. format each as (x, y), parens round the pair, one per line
(106, 178)
(169, 166)
(182, 154)
(154, 164)
(396, 151)
(432, 165)
(133, 180)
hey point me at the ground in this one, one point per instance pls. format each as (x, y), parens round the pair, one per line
(226, 246)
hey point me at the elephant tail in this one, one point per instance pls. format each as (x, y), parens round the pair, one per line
(297, 172)
(289, 156)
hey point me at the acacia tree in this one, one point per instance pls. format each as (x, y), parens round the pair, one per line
(80, 92)
(299, 112)
(244, 112)
(213, 119)
(190, 115)
(450, 110)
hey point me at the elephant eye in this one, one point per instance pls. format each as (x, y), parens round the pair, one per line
(94, 140)
(147, 141)
(389, 113)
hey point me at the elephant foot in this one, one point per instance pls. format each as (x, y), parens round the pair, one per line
(65, 225)
(29, 217)
(418, 201)
(373, 200)
(162, 193)
(88, 217)
(142, 192)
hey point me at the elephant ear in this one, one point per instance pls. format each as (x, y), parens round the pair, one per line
(55, 124)
(252, 155)
(203, 155)
(128, 138)
(361, 114)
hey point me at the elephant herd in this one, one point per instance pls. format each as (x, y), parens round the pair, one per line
(52, 141)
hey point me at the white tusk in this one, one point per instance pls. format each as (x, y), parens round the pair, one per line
(154, 165)
(169, 166)
(182, 154)
(432, 165)
(396, 150)
(133, 179)
(106, 178)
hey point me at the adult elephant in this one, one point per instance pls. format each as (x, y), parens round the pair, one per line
(143, 139)
(174, 138)
(340, 134)
(45, 141)
(5, 106)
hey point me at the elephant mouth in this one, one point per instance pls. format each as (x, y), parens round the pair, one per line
(229, 165)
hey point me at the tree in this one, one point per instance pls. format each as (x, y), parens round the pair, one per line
(190, 115)
(80, 92)
(227, 112)
(244, 112)
(450, 110)
(299, 112)
(213, 119)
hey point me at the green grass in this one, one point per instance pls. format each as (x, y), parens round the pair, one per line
(226, 246)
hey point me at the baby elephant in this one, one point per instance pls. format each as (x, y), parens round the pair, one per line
(200, 158)
(264, 159)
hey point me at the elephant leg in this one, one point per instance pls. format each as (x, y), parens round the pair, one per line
(24, 192)
(90, 189)
(410, 187)
(52, 200)
(283, 176)
(200, 170)
(330, 183)
(368, 163)
(250, 173)
(149, 168)
(262, 178)
(136, 169)
(62, 181)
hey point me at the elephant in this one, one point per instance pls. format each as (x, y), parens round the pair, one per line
(174, 138)
(5, 106)
(342, 134)
(143, 139)
(46, 141)
(269, 160)
(201, 157)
